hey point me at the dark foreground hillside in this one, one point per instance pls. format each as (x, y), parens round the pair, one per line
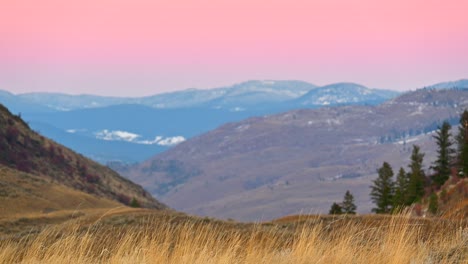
(27, 158)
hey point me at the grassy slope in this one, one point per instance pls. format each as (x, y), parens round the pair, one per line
(28, 202)
(148, 236)
(26, 194)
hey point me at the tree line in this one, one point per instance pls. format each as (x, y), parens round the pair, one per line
(390, 195)
(410, 186)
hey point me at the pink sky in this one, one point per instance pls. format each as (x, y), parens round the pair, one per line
(142, 47)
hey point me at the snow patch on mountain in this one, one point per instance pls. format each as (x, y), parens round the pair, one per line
(116, 135)
(151, 142)
(119, 135)
(171, 141)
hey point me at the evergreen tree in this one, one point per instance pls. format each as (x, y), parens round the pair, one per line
(135, 203)
(462, 142)
(444, 154)
(335, 209)
(401, 188)
(417, 178)
(433, 204)
(382, 190)
(348, 205)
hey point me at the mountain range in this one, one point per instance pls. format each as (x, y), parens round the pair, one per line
(297, 161)
(131, 130)
(244, 95)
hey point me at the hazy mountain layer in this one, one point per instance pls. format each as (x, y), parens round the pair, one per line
(134, 129)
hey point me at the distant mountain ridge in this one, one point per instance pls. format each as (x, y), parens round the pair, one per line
(129, 130)
(344, 93)
(242, 95)
(463, 83)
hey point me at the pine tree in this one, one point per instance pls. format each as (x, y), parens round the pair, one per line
(417, 178)
(382, 190)
(135, 203)
(462, 142)
(401, 188)
(335, 209)
(348, 205)
(444, 154)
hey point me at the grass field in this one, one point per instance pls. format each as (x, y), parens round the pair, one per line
(128, 235)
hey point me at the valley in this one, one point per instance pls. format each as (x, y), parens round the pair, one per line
(270, 178)
(263, 161)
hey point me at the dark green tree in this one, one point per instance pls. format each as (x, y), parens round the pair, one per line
(401, 188)
(382, 190)
(335, 209)
(417, 177)
(433, 204)
(348, 205)
(444, 154)
(135, 203)
(462, 142)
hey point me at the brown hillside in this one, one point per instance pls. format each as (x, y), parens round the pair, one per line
(298, 161)
(44, 161)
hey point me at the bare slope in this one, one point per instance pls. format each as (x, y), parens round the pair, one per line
(303, 160)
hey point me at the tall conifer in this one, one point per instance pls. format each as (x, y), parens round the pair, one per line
(382, 190)
(417, 177)
(444, 154)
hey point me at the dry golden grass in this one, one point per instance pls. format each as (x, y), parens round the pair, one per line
(142, 237)
(25, 195)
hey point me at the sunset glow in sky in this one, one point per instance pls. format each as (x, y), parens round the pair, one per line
(143, 47)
